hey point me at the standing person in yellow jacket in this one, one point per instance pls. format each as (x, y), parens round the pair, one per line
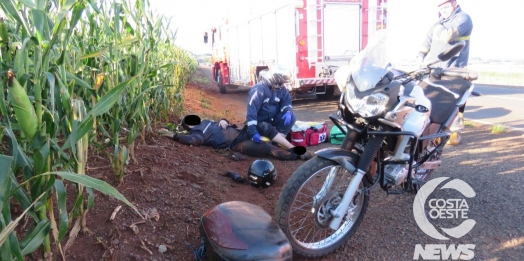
(454, 25)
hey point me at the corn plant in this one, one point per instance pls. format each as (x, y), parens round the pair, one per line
(72, 71)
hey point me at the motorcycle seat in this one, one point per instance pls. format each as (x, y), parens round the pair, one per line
(460, 73)
(443, 102)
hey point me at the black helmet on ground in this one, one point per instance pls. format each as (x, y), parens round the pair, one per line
(262, 173)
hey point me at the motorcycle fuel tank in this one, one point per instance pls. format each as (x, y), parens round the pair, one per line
(417, 120)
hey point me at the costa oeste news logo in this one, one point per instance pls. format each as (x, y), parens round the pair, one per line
(440, 209)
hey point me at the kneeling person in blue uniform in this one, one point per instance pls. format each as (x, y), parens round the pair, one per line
(269, 101)
(223, 135)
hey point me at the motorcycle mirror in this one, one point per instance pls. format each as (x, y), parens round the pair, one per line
(452, 51)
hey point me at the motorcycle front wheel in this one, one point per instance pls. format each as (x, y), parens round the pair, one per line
(303, 209)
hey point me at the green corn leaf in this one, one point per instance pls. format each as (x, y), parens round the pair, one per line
(51, 81)
(10, 247)
(12, 225)
(41, 154)
(95, 54)
(78, 9)
(35, 239)
(126, 42)
(28, 3)
(12, 11)
(61, 196)
(41, 4)
(15, 247)
(99, 185)
(39, 22)
(57, 31)
(79, 81)
(22, 197)
(5, 176)
(108, 100)
(5, 249)
(3, 102)
(77, 133)
(66, 6)
(117, 8)
(51, 123)
(64, 156)
(93, 5)
(20, 157)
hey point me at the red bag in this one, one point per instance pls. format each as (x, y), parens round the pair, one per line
(309, 137)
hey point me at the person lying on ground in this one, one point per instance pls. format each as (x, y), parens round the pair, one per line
(223, 135)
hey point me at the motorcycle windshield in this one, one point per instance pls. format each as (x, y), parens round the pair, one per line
(370, 65)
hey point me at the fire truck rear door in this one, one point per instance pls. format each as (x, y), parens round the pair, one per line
(342, 30)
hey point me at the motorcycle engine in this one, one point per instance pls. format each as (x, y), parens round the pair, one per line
(395, 174)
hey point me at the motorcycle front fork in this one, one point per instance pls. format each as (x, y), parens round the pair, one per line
(326, 187)
(369, 152)
(341, 210)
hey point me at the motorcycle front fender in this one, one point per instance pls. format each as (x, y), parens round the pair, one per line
(344, 158)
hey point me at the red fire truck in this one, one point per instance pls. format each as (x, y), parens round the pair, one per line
(310, 37)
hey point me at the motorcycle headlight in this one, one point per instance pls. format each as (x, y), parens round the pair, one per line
(369, 106)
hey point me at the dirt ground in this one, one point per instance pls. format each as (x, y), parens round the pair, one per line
(181, 183)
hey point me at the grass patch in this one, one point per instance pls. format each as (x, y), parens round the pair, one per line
(515, 78)
(469, 124)
(170, 126)
(498, 128)
(200, 80)
(226, 114)
(205, 103)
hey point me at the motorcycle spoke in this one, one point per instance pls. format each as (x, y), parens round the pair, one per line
(301, 220)
(301, 225)
(315, 235)
(301, 207)
(309, 232)
(313, 191)
(304, 195)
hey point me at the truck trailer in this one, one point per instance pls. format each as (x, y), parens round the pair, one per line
(312, 38)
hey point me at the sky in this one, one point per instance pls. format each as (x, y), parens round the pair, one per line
(497, 33)
(193, 17)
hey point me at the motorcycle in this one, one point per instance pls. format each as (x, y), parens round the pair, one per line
(396, 125)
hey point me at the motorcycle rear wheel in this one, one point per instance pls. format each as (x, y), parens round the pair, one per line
(305, 223)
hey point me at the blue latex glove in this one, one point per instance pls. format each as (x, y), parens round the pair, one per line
(257, 138)
(287, 118)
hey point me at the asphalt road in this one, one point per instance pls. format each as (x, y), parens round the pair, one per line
(497, 105)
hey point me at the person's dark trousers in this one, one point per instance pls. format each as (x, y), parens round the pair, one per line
(278, 122)
(264, 129)
(253, 149)
(461, 109)
(191, 139)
